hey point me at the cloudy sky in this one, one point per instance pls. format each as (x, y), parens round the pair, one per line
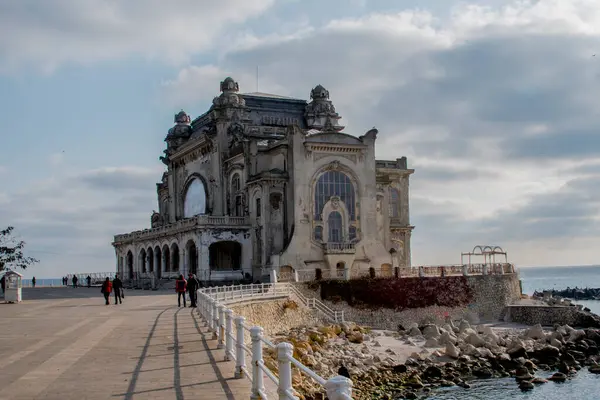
(496, 104)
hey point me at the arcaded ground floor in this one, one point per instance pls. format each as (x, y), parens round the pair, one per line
(64, 343)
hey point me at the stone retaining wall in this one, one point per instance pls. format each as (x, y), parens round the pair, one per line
(543, 315)
(491, 294)
(275, 316)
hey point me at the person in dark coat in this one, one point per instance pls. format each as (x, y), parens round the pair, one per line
(75, 279)
(118, 288)
(192, 286)
(89, 281)
(180, 286)
(106, 289)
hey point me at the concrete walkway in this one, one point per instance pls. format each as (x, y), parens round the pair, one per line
(78, 348)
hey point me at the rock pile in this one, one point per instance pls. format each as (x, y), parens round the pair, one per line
(446, 355)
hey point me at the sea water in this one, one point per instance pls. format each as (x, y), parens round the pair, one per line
(584, 386)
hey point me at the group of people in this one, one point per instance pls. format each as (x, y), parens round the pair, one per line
(75, 281)
(116, 287)
(190, 286)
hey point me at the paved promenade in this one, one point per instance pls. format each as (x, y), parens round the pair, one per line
(71, 346)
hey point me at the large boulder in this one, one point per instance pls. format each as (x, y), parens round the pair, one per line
(446, 337)
(535, 332)
(463, 325)
(576, 335)
(475, 340)
(452, 350)
(431, 332)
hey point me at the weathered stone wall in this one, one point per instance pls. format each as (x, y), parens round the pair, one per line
(490, 295)
(543, 315)
(275, 316)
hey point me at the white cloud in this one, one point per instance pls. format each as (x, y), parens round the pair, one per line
(483, 103)
(50, 33)
(68, 222)
(496, 108)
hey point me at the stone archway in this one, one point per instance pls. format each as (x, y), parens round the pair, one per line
(158, 261)
(130, 265)
(225, 255)
(150, 255)
(175, 267)
(192, 256)
(142, 261)
(166, 254)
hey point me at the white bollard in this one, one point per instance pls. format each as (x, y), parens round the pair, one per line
(228, 335)
(284, 352)
(257, 374)
(221, 327)
(240, 355)
(339, 388)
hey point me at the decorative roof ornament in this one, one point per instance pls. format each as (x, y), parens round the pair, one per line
(229, 96)
(178, 133)
(320, 113)
(182, 118)
(229, 85)
(319, 92)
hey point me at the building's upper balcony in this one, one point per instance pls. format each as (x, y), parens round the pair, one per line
(339, 248)
(184, 225)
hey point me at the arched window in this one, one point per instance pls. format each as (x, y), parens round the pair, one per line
(318, 233)
(335, 227)
(235, 183)
(195, 199)
(334, 183)
(394, 203)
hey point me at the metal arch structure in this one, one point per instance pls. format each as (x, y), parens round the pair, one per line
(488, 252)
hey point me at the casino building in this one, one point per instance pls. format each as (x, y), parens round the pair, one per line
(262, 183)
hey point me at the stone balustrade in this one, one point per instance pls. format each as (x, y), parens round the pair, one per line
(183, 226)
(339, 248)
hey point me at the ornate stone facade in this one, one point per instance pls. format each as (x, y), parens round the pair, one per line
(263, 182)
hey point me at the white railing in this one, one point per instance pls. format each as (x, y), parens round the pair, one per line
(221, 321)
(237, 293)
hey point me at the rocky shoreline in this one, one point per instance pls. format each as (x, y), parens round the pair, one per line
(575, 294)
(412, 362)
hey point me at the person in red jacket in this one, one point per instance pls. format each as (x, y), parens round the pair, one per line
(106, 289)
(180, 286)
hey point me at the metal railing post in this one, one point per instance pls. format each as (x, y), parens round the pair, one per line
(284, 352)
(221, 327)
(240, 354)
(339, 388)
(228, 335)
(257, 374)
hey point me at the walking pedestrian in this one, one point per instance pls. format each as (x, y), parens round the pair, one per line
(192, 286)
(180, 285)
(75, 281)
(117, 287)
(33, 281)
(106, 289)
(89, 281)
